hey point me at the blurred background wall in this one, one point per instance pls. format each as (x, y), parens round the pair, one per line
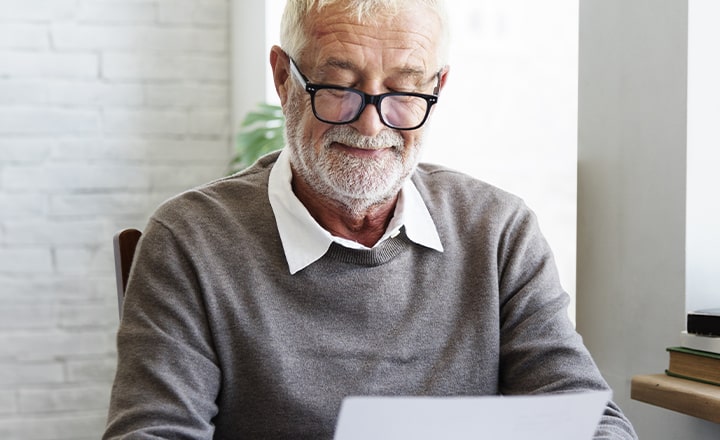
(107, 107)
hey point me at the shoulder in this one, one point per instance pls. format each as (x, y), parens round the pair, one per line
(471, 211)
(473, 216)
(238, 195)
(441, 187)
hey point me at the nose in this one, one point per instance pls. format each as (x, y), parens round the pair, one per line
(369, 123)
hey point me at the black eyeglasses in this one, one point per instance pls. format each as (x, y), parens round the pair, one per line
(343, 105)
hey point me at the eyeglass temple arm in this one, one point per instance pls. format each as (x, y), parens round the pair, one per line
(296, 73)
(436, 92)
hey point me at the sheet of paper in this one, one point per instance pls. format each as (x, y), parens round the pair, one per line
(544, 417)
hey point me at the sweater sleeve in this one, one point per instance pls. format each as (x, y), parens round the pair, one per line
(167, 379)
(540, 350)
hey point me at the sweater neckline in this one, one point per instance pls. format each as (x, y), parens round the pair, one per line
(378, 255)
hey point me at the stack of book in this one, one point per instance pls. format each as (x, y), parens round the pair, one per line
(698, 356)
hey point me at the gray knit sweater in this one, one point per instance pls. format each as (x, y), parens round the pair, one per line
(218, 340)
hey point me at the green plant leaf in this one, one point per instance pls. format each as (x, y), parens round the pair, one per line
(261, 131)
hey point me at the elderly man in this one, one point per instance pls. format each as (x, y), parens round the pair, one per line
(341, 266)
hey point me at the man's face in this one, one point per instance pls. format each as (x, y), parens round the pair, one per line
(364, 162)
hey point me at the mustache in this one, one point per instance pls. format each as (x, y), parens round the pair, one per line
(347, 135)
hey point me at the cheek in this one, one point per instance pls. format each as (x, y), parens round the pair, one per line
(413, 142)
(313, 130)
(301, 118)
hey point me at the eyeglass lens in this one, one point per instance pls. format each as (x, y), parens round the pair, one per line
(339, 106)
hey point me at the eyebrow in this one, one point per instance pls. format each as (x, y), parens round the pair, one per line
(341, 64)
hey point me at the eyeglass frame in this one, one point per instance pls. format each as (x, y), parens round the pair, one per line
(367, 99)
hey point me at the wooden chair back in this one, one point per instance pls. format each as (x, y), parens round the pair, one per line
(124, 244)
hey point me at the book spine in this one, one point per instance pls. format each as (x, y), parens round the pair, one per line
(695, 379)
(703, 324)
(700, 342)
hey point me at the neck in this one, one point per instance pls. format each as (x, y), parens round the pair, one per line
(355, 220)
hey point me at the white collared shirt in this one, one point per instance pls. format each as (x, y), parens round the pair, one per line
(305, 241)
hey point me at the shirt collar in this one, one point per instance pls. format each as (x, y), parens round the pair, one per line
(305, 241)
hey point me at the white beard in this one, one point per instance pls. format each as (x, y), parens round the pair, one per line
(354, 182)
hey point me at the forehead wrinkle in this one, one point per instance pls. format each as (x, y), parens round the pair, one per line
(393, 36)
(343, 64)
(404, 28)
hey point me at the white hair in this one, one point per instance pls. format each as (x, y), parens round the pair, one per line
(293, 32)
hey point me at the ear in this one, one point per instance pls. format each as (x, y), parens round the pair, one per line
(281, 71)
(444, 76)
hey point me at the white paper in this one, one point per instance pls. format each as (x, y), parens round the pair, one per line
(572, 416)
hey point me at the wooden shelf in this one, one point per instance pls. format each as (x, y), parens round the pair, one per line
(681, 395)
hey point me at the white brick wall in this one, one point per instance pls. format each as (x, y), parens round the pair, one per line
(107, 107)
